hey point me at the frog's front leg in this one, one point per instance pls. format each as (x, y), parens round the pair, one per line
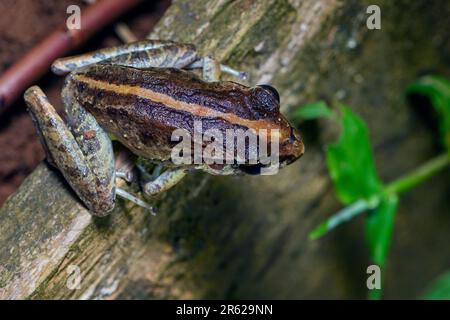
(164, 181)
(157, 182)
(82, 152)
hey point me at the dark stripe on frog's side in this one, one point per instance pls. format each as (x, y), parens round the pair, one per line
(224, 96)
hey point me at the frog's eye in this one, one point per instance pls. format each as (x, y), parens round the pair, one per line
(272, 90)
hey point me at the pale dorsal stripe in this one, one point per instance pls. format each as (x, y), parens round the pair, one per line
(170, 102)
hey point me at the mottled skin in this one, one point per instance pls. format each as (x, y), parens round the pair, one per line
(138, 93)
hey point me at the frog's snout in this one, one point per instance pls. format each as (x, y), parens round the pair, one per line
(292, 148)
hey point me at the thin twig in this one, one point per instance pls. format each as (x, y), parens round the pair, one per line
(124, 33)
(38, 60)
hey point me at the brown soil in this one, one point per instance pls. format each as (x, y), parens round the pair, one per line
(23, 24)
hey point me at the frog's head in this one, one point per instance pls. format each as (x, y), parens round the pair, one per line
(266, 103)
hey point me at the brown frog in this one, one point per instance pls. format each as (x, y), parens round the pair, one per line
(142, 93)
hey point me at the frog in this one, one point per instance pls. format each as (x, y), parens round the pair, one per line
(139, 93)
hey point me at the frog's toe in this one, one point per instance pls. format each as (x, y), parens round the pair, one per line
(128, 196)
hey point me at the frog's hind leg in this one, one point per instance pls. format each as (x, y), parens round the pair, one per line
(81, 151)
(140, 54)
(150, 53)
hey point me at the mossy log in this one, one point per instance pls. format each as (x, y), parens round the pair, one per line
(246, 237)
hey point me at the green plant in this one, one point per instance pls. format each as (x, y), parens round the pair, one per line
(439, 289)
(351, 167)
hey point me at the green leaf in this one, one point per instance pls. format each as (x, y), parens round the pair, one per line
(350, 161)
(440, 289)
(437, 89)
(374, 294)
(379, 226)
(313, 111)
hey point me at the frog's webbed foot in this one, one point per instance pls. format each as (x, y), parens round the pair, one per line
(163, 181)
(83, 153)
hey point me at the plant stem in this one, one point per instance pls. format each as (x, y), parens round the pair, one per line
(419, 175)
(398, 186)
(374, 294)
(345, 214)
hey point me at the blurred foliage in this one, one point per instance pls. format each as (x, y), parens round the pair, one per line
(350, 161)
(379, 226)
(440, 289)
(437, 89)
(313, 111)
(351, 167)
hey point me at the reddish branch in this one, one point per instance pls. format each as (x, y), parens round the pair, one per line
(38, 60)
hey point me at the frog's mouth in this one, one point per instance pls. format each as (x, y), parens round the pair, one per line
(252, 169)
(255, 169)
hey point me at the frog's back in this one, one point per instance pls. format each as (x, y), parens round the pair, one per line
(156, 84)
(142, 107)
